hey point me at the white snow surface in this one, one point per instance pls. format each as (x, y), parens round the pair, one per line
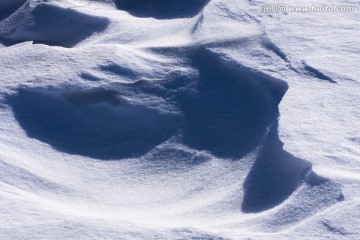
(178, 120)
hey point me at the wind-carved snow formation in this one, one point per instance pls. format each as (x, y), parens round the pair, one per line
(150, 119)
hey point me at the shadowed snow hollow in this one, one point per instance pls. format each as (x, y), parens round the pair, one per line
(55, 26)
(8, 7)
(162, 9)
(91, 123)
(223, 108)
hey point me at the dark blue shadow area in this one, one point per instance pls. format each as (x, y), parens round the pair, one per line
(95, 123)
(8, 7)
(229, 110)
(316, 73)
(56, 26)
(275, 175)
(116, 69)
(162, 9)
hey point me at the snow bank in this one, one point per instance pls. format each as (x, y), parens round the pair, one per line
(165, 119)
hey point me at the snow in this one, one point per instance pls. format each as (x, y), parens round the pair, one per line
(178, 120)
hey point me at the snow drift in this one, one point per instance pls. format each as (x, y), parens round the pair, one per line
(151, 119)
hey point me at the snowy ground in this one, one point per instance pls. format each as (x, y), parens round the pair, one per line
(178, 120)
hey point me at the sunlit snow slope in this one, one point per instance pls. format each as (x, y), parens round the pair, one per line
(178, 119)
